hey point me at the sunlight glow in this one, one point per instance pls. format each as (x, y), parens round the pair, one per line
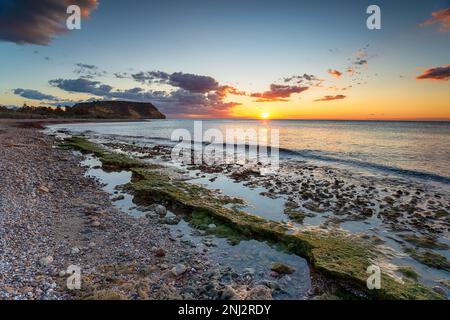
(265, 115)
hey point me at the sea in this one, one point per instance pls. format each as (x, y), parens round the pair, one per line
(412, 150)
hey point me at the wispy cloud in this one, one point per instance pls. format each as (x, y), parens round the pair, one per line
(37, 22)
(88, 71)
(176, 102)
(34, 95)
(441, 17)
(334, 73)
(278, 93)
(331, 98)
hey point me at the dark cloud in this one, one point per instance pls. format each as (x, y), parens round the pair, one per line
(148, 77)
(186, 81)
(193, 82)
(442, 18)
(37, 22)
(176, 102)
(121, 75)
(360, 62)
(438, 73)
(330, 98)
(82, 86)
(278, 93)
(335, 73)
(86, 66)
(34, 95)
(88, 71)
(308, 79)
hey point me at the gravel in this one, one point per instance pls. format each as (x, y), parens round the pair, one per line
(53, 217)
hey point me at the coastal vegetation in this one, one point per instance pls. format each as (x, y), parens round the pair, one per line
(89, 110)
(341, 257)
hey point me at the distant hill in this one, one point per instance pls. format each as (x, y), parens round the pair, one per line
(88, 110)
(116, 110)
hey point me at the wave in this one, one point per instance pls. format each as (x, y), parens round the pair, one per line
(312, 155)
(318, 156)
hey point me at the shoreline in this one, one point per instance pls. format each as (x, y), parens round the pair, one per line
(333, 253)
(53, 216)
(240, 288)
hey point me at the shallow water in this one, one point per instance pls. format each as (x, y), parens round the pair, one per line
(273, 209)
(246, 254)
(418, 150)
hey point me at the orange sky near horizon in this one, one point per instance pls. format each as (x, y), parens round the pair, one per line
(412, 101)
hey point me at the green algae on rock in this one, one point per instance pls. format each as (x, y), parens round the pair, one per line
(424, 241)
(429, 258)
(282, 268)
(340, 256)
(408, 272)
(110, 160)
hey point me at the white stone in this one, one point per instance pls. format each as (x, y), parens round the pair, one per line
(46, 261)
(179, 269)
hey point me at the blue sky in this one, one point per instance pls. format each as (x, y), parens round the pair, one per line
(247, 44)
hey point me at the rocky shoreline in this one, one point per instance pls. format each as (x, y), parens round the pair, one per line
(52, 216)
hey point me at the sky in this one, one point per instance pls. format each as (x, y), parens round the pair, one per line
(232, 59)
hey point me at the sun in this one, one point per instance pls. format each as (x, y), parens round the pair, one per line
(265, 115)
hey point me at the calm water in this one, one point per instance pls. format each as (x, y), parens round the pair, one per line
(413, 149)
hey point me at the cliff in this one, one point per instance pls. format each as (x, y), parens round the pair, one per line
(117, 110)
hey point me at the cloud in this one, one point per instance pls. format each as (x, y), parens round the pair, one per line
(82, 86)
(441, 17)
(121, 75)
(186, 81)
(330, 98)
(335, 73)
(193, 82)
(37, 22)
(88, 71)
(34, 94)
(278, 93)
(308, 79)
(86, 66)
(360, 62)
(176, 102)
(148, 77)
(438, 73)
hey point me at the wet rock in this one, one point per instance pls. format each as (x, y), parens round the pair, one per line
(282, 268)
(118, 198)
(440, 290)
(228, 293)
(260, 292)
(249, 271)
(160, 209)
(171, 219)
(273, 285)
